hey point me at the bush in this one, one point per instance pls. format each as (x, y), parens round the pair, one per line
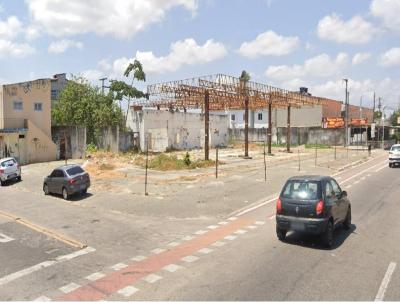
(91, 148)
(186, 159)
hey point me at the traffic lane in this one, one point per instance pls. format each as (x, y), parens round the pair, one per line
(21, 247)
(259, 267)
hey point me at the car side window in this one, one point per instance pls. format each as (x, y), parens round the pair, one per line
(329, 193)
(336, 188)
(60, 174)
(53, 174)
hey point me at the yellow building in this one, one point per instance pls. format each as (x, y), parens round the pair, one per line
(25, 121)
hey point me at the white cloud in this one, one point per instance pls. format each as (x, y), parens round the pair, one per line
(354, 31)
(61, 46)
(119, 18)
(388, 10)
(32, 33)
(269, 44)
(391, 58)
(186, 52)
(319, 66)
(10, 28)
(360, 58)
(16, 50)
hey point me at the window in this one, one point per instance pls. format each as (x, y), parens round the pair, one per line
(233, 117)
(260, 116)
(300, 189)
(54, 94)
(336, 188)
(74, 171)
(329, 193)
(18, 106)
(38, 107)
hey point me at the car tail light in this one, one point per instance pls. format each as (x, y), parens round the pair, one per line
(72, 181)
(279, 206)
(319, 208)
(1, 171)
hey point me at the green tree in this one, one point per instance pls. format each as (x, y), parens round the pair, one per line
(84, 105)
(394, 116)
(124, 92)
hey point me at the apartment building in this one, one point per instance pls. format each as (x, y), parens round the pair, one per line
(25, 121)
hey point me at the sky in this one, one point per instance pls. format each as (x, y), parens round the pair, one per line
(283, 43)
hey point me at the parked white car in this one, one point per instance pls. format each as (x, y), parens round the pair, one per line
(9, 170)
(394, 155)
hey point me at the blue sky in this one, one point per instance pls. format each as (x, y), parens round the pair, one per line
(285, 43)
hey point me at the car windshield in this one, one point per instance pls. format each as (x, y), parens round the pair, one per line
(302, 189)
(396, 148)
(8, 163)
(74, 171)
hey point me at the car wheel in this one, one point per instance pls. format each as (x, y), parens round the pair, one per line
(19, 178)
(347, 221)
(84, 192)
(281, 234)
(65, 194)
(1, 183)
(327, 237)
(390, 165)
(46, 189)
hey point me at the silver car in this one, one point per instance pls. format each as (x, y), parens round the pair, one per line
(9, 170)
(394, 155)
(67, 180)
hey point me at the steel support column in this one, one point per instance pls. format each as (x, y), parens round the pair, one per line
(246, 127)
(206, 125)
(269, 130)
(288, 129)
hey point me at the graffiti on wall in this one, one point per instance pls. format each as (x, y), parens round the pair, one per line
(26, 87)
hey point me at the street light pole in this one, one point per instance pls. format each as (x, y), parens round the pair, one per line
(346, 114)
(383, 127)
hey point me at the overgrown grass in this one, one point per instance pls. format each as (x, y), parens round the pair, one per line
(318, 146)
(166, 162)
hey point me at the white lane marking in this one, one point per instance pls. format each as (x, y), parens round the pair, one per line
(205, 251)
(138, 258)
(348, 186)
(95, 276)
(385, 281)
(76, 254)
(42, 299)
(232, 218)
(252, 227)
(172, 268)
(240, 232)
(4, 238)
(152, 278)
(39, 266)
(339, 178)
(363, 178)
(212, 227)
(69, 288)
(381, 168)
(362, 172)
(190, 259)
(257, 206)
(223, 222)
(158, 251)
(356, 182)
(201, 232)
(230, 237)
(259, 222)
(128, 291)
(187, 238)
(218, 243)
(369, 175)
(272, 217)
(119, 266)
(173, 244)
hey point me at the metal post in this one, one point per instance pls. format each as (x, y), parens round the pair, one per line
(265, 164)
(346, 114)
(216, 162)
(147, 165)
(316, 153)
(65, 148)
(269, 130)
(246, 127)
(288, 131)
(298, 153)
(206, 125)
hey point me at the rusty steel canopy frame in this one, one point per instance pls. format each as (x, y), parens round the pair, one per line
(224, 92)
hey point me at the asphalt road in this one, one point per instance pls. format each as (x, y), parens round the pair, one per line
(192, 257)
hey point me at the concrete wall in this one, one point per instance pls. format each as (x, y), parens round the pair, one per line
(176, 130)
(75, 137)
(306, 116)
(298, 135)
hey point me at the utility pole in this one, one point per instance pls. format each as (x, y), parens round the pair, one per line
(103, 80)
(373, 110)
(346, 125)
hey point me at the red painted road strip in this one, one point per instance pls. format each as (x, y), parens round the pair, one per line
(113, 282)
